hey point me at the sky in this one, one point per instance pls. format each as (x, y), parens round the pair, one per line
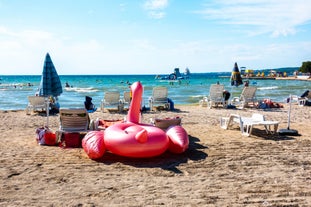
(152, 36)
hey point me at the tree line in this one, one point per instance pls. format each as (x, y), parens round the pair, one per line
(305, 67)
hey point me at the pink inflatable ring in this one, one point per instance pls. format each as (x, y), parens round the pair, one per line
(133, 139)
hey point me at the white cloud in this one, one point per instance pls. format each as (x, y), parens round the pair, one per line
(122, 6)
(279, 18)
(156, 15)
(155, 8)
(155, 4)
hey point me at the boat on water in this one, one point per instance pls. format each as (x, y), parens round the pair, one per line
(175, 76)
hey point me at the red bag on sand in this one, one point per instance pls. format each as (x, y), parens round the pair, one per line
(93, 144)
(45, 136)
(70, 139)
(50, 138)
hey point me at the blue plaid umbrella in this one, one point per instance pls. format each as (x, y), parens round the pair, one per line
(236, 78)
(50, 84)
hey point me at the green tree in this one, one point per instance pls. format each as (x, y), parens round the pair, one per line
(306, 67)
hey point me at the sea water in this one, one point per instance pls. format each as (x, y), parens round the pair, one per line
(14, 89)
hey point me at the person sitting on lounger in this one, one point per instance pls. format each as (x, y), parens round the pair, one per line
(226, 95)
(306, 94)
(89, 106)
(54, 105)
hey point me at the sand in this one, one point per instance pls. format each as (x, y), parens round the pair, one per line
(220, 168)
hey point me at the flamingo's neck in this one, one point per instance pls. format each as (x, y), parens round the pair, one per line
(134, 110)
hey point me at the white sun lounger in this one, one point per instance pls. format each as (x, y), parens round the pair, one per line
(216, 97)
(247, 123)
(247, 96)
(36, 103)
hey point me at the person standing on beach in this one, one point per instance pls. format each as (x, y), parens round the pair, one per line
(246, 84)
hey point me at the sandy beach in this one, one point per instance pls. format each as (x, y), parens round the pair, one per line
(220, 168)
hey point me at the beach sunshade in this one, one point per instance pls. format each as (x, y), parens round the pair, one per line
(236, 78)
(50, 84)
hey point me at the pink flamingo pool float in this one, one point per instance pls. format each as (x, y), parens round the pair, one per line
(134, 139)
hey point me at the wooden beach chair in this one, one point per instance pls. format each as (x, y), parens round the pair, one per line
(73, 126)
(74, 120)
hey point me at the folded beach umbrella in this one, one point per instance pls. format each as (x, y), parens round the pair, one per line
(50, 84)
(236, 78)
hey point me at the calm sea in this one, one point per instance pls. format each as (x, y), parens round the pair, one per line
(15, 89)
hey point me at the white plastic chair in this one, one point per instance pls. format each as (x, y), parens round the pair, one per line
(247, 96)
(247, 123)
(301, 101)
(215, 96)
(36, 103)
(126, 99)
(159, 97)
(111, 100)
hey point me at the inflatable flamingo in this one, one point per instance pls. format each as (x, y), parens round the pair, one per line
(134, 139)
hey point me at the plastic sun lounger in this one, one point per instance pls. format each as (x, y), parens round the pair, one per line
(159, 97)
(301, 101)
(36, 103)
(112, 101)
(247, 123)
(247, 96)
(215, 97)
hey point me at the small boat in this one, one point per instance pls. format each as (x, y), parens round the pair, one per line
(175, 76)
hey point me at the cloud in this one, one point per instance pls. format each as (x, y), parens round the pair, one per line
(156, 4)
(122, 6)
(278, 18)
(155, 8)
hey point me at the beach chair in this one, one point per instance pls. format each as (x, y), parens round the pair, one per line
(74, 120)
(303, 99)
(73, 126)
(159, 97)
(247, 96)
(247, 123)
(215, 97)
(36, 103)
(111, 100)
(126, 99)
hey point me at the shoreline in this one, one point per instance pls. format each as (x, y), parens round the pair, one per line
(293, 78)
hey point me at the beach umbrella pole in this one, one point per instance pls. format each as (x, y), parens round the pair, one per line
(288, 131)
(47, 112)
